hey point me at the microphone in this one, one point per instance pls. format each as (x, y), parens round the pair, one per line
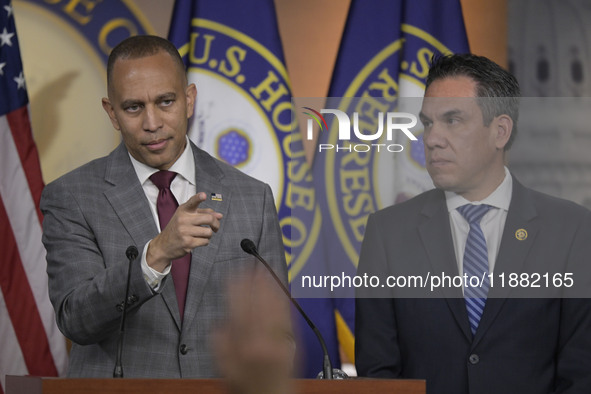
(131, 254)
(327, 371)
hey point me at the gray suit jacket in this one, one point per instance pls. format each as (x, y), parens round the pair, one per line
(94, 213)
(522, 345)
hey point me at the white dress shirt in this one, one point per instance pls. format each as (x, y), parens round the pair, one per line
(182, 187)
(492, 222)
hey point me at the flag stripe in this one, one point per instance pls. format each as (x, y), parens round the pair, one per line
(19, 124)
(16, 363)
(21, 305)
(26, 230)
(345, 336)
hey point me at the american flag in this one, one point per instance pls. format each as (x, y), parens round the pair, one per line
(30, 342)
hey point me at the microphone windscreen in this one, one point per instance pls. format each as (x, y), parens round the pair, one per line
(248, 246)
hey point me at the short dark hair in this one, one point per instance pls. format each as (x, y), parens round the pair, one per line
(136, 47)
(497, 85)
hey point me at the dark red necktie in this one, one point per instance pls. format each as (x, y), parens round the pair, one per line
(167, 205)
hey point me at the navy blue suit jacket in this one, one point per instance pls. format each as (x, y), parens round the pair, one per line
(522, 345)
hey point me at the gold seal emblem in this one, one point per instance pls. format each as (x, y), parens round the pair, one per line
(521, 234)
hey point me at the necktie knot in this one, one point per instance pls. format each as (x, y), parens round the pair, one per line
(474, 213)
(162, 179)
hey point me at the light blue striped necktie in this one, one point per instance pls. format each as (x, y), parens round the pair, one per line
(475, 263)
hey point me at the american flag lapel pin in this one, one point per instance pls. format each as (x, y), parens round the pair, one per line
(216, 197)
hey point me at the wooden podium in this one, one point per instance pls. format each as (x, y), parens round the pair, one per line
(37, 385)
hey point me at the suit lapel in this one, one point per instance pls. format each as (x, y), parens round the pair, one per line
(435, 233)
(208, 179)
(512, 252)
(129, 201)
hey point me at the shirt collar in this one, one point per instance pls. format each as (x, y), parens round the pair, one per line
(184, 166)
(500, 198)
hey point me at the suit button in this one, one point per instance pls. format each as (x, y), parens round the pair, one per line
(132, 299)
(184, 349)
(474, 359)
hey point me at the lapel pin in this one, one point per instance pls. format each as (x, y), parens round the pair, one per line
(521, 234)
(218, 197)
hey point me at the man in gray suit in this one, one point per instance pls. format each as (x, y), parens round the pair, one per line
(479, 221)
(187, 255)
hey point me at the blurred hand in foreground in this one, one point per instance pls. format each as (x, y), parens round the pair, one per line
(255, 345)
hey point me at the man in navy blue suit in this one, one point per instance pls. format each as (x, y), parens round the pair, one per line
(478, 221)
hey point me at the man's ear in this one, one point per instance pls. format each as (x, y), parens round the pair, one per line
(191, 94)
(503, 128)
(108, 107)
